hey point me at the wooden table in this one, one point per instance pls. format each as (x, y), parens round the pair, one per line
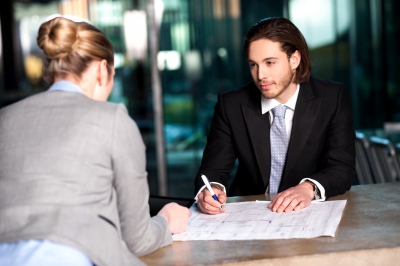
(368, 234)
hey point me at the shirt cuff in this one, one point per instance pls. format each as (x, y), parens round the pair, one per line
(319, 186)
(211, 183)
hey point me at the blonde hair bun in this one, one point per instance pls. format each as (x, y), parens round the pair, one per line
(70, 46)
(57, 37)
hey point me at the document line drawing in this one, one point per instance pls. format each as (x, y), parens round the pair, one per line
(253, 220)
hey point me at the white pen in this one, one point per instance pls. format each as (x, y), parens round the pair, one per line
(207, 183)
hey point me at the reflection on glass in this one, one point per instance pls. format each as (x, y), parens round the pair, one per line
(317, 23)
(193, 65)
(74, 8)
(135, 34)
(168, 60)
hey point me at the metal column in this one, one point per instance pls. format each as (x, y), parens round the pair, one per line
(157, 98)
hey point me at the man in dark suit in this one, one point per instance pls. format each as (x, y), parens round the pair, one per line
(319, 161)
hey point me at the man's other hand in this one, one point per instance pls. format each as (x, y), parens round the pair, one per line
(293, 199)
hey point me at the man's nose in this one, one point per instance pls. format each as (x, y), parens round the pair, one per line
(262, 72)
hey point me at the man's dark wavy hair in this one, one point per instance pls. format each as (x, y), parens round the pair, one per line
(288, 35)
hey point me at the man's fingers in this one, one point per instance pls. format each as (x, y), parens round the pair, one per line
(292, 204)
(295, 198)
(207, 208)
(300, 206)
(221, 197)
(282, 202)
(276, 198)
(286, 203)
(208, 204)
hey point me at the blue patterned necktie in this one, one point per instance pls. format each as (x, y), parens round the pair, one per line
(279, 144)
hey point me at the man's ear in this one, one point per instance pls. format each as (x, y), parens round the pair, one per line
(295, 59)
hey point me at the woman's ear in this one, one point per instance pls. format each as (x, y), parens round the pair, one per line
(103, 73)
(104, 82)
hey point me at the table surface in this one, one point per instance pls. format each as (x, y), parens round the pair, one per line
(371, 220)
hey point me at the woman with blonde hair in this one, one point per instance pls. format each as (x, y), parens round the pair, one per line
(73, 180)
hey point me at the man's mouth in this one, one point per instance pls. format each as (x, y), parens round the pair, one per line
(265, 86)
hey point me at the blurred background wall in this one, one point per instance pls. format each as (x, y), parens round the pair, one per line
(200, 54)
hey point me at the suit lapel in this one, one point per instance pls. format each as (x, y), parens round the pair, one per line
(258, 127)
(305, 115)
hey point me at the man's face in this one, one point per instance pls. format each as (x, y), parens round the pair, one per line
(272, 71)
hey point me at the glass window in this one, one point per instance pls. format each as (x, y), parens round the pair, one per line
(200, 55)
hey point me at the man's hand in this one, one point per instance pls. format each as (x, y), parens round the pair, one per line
(208, 204)
(294, 198)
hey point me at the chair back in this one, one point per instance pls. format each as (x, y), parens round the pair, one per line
(397, 150)
(363, 169)
(391, 131)
(384, 163)
(391, 127)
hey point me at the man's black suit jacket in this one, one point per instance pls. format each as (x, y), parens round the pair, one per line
(321, 147)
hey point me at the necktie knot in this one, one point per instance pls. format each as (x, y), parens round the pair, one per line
(279, 111)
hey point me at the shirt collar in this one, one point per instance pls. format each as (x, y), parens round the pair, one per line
(268, 104)
(64, 85)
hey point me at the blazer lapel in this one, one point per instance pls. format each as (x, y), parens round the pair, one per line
(258, 127)
(305, 115)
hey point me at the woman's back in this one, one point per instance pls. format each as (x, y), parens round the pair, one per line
(62, 141)
(57, 151)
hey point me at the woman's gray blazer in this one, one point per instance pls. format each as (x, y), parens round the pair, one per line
(73, 171)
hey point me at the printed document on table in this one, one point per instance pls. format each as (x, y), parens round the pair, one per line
(253, 220)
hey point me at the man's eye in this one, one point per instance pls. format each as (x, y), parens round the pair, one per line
(270, 63)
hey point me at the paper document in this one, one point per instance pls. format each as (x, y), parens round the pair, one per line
(253, 220)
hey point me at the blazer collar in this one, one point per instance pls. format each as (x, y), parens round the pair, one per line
(254, 97)
(307, 108)
(258, 127)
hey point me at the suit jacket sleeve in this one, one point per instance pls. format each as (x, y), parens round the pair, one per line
(219, 155)
(337, 161)
(142, 234)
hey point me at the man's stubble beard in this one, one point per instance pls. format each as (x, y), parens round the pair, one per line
(282, 85)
